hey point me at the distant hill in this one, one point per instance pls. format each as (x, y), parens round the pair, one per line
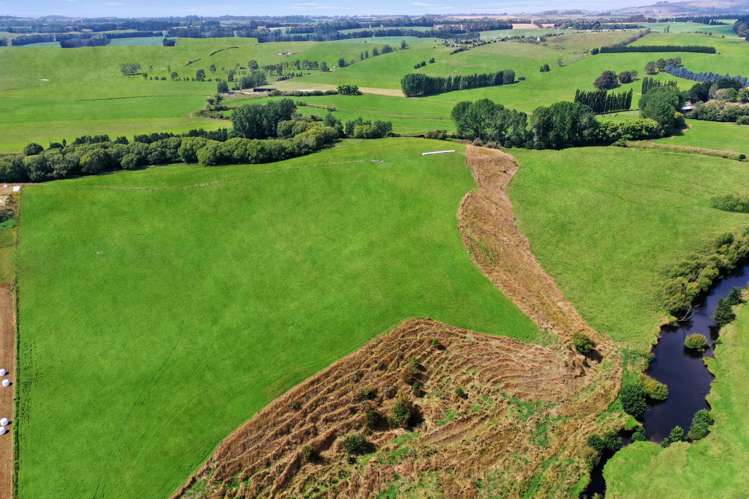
(694, 7)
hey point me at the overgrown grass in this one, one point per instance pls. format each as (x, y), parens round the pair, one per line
(160, 309)
(712, 467)
(607, 222)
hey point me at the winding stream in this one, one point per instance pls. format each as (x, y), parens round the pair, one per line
(685, 373)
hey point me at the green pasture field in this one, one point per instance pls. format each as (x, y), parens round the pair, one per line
(160, 309)
(712, 135)
(47, 94)
(688, 27)
(607, 222)
(712, 467)
(52, 93)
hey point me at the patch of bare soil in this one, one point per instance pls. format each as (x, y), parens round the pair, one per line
(496, 417)
(8, 362)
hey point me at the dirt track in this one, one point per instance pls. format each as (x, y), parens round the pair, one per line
(7, 361)
(525, 417)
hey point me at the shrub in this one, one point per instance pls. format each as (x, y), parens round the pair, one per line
(700, 427)
(742, 120)
(609, 441)
(676, 435)
(410, 373)
(188, 149)
(95, 161)
(632, 396)
(583, 344)
(654, 389)
(367, 393)
(375, 420)
(32, 149)
(404, 414)
(731, 202)
(461, 393)
(37, 168)
(639, 435)
(310, 454)
(724, 312)
(606, 81)
(695, 342)
(348, 90)
(355, 444)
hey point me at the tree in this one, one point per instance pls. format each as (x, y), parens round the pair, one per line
(627, 76)
(606, 81)
(651, 68)
(491, 122)
(342, 63)
(261, 121)
(348, 90)
(663, 105)
(355, 444)
(324, 67)
(564, 124)
(200, 75)
(130, 69)
(632, 396)
(222, 87)
(404, 45)
(676, 435)
(32, 149)
(700, 427)
(212, 68)
(252, 65)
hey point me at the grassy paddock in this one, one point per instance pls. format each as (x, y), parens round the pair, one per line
(160, 309)
(606, 222)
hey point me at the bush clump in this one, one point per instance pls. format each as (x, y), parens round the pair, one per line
(724, 312)
(375, 420)
(609, 441)
(633, 398)
(693, 277)
(676, 435)
(695, 342)
(654, 389)
(731, 202)
(310, 454)
(404, 414)
(355, 445)
(701, 422)
(583, 344)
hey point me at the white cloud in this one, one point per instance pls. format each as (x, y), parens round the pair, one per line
(114, 4)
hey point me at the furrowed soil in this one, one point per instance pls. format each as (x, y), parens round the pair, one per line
(497, 416)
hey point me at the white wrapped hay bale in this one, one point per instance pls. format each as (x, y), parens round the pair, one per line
(3, 372)
(3, 430)
(4, 422)
(6, 383)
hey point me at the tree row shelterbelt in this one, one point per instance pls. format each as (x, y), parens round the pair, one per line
(421, 85)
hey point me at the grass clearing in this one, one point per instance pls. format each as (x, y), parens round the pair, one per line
(150, 299)
(622, 216)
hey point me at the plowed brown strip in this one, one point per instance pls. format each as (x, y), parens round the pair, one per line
(526, 416)
(7, 361)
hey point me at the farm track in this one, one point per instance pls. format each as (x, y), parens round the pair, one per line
(8, 362)
(525, 417)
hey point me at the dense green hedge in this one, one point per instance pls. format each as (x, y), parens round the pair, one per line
(702, 49)
(420, 85)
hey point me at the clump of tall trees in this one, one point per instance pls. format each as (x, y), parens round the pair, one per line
(561, 125)
(601, 101)
(420, 85)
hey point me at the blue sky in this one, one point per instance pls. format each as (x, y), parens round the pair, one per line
(134, 8)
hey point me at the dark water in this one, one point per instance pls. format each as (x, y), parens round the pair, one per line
(684, 373)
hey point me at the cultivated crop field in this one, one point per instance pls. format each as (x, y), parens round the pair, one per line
(291, 276)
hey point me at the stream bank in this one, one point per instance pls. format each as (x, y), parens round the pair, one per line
(684, 372)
